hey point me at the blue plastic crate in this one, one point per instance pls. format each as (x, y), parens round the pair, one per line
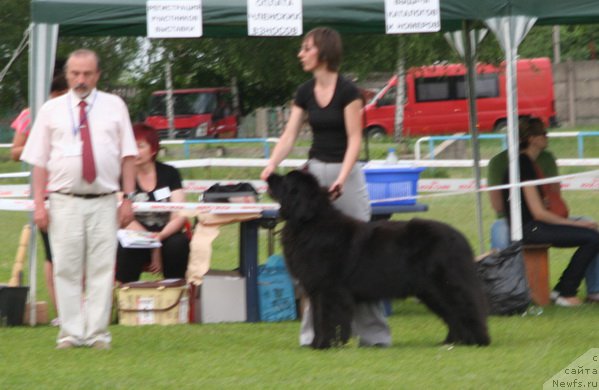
(392, 181)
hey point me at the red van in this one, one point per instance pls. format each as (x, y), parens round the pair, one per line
(436, 99)
(199, 113)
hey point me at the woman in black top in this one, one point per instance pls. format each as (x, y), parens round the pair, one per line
(541, 226)
(332, 104)
(155, 182)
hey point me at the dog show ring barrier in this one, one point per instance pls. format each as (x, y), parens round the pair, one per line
(536, 258)
(248, 231)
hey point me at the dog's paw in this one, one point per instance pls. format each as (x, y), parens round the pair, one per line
(468, 340)
(483, 341)
(320, 344)
(451, 339)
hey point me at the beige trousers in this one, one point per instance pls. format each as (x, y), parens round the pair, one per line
(83, 241)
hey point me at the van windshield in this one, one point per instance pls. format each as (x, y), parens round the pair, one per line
(184, 104)
(380, 94)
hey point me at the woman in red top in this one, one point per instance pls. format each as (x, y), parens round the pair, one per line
(155, 182)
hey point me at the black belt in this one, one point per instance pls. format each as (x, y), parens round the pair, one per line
(87, 196)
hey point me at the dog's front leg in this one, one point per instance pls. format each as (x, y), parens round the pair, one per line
(332, 311)
(344, 302)
(323, 332)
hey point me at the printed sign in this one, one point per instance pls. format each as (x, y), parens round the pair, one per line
(412, 16)
(174, 19)
(273, 18)
(145, 316)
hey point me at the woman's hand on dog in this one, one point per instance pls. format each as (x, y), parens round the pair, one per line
(335, 190)
(267, 171)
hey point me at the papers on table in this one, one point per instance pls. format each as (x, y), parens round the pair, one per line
(138, 239)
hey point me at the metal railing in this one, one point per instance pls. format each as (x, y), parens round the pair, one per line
(186, 143)
(580, 135)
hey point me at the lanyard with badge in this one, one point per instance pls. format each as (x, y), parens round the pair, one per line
(75, 147)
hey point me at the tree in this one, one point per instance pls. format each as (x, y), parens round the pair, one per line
(266, 69)
(14, 20)
(116, 55)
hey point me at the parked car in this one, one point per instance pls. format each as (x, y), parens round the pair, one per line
(198, 113)
(436, 99)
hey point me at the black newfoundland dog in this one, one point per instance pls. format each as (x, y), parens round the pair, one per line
(339, 260)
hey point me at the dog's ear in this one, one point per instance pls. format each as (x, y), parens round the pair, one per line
(275, 186)
(303, 197)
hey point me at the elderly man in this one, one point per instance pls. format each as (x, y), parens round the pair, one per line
(81, 144)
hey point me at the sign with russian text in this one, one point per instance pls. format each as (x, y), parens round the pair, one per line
(412, 16)
(275, 18)
(174, 19)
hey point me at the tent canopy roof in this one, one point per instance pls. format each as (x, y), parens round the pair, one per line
(227, 18)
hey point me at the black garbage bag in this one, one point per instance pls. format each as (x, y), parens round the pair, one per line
(504, 279)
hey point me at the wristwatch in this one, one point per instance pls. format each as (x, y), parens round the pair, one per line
(129, 196)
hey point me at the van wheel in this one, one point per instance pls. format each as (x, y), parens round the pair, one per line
(500, 126)
(375, 134)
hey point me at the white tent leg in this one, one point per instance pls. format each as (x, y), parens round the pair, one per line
(42, 52)
(510, 31)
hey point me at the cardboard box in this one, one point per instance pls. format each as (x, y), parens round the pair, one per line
(41, 313)
(164, 302)
(220, 298)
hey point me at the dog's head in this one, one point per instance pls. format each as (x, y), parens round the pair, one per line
(300, 195)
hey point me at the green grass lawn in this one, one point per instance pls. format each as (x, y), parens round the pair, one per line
(525, 351)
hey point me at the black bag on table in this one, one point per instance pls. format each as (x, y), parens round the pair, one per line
(231, 193)
(504, 280)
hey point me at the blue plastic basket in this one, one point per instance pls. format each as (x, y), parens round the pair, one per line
(392, 181)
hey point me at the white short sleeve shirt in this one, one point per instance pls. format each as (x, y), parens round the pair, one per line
(55, 142)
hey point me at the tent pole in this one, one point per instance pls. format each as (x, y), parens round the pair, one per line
(470, 59)
(42, 52)
(510, 31)
(513, 131)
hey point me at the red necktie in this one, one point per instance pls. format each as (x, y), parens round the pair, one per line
(89, 167)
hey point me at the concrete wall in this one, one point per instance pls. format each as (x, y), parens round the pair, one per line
(577, 92)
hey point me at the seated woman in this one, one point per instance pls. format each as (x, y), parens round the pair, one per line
(540, 225)
(155, 182)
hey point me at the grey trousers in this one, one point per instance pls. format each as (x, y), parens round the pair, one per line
(369, 324)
